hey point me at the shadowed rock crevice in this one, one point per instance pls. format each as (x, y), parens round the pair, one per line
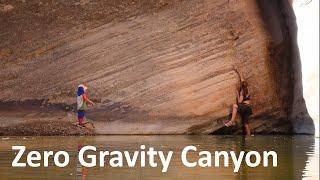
(280, 22)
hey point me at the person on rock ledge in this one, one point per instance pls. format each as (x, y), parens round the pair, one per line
(242, 106)
(82, 103)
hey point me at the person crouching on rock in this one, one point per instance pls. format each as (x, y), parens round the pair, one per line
(82, 103)
(243, 105)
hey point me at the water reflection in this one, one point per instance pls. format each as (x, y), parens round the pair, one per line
(293, 154)
(81, 171)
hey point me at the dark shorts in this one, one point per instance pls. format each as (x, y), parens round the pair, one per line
(81, 114)
(245, 111)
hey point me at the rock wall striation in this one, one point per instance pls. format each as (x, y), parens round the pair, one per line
(157, 67)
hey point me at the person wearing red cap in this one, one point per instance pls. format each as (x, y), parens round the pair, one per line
(82, 103)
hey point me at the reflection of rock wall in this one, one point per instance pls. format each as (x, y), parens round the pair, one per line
(293, 155)
(154, 67)
(303, 148)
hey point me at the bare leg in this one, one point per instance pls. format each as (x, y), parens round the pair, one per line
(247, 129)
(80, 120)
(83, 120)
(233, 117)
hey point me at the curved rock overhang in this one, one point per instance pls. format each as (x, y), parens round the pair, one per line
(280, 22)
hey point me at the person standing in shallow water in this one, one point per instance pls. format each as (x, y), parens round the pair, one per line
(243, 106)
(82, 103)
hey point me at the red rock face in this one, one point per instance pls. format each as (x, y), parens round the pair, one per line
(157, 67)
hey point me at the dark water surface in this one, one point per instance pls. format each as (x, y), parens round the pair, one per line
(297, 157)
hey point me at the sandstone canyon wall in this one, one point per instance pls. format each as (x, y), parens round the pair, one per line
(156, 67)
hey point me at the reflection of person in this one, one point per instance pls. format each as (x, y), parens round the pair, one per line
(81, 171)
(82, 103)
(242, 106)
(243, 171)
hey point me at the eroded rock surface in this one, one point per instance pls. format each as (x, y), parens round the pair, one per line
(157, 67)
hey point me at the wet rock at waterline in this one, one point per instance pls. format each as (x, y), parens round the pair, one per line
(157, 67)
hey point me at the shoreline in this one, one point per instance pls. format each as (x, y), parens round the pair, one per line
(41, 118)
(35, 118)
